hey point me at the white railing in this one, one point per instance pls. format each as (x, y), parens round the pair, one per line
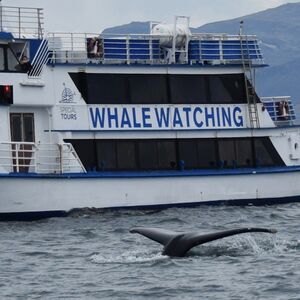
(22, 21)
(68, 47)
(21, 157)
(281, 109)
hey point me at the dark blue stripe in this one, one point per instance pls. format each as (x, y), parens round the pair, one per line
(153, 174)
(33, 216)
(239, 202)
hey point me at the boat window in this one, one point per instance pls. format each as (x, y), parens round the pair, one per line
(107, 88)
(265, 153)
(244, 153)
(166, 155)
(175, 154)
(12, 62)
(148, 89)
(106, 155)
(218, 92)
(2, 59)
(187, 152)
(16, 127)
(126, 155)
(148, 158)
(227, 155)
(86, 151)
(188, 89)
(234, 84)
(207, 153)
(160, 88)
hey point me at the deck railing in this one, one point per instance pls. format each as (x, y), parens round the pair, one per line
(21, 157)
(281, 109)
(22, 21)
(147, 49)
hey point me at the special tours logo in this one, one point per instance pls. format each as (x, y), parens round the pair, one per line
(67, 95)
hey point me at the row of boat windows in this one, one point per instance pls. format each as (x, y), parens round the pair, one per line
(160, 88)
(176, 154)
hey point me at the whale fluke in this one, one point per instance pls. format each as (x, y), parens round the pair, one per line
(177, 244)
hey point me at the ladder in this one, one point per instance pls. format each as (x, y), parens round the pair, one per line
(249, 80)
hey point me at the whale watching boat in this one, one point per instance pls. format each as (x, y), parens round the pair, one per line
(168, 118)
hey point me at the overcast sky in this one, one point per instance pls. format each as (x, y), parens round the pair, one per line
(95, 15)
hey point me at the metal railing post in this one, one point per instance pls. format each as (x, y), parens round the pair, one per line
(60, 148)
(19, 18)
(1, 18)
(40, 32)
(17, 158)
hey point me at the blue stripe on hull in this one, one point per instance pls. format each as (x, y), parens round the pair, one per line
(33, 216)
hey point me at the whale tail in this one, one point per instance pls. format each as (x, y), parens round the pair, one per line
(178, 244)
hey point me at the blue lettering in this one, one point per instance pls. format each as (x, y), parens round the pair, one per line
(226, 117)
(113, 117)
(125, 121)
(146, 117)
(162, 116)
(218, 117)
(98, 117)
(199, 111)
(187, 111)
(135, 123)
(177, 118)
(237, 117)
(209, 116)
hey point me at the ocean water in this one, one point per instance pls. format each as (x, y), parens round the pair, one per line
(92, 255)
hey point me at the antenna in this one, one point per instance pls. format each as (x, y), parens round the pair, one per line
(241, 26)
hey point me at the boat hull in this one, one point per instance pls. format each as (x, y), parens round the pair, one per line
(58, 195)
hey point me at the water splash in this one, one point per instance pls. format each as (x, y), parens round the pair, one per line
(128, 257)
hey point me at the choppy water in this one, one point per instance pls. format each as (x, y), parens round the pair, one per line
(93, 256)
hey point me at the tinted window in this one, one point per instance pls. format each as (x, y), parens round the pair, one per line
(107, 88)
(12, 62)
(207, 157)
(218, 92)
(227, 153)
(188, 89)
(166, 154)
(187, 152)
(2, 59)
(235, 86)
(126, 155)
(244, 153)
(265, 153)
(148, 159)
(106, 155)
(160, 88)
(144, 88)
(86, 151)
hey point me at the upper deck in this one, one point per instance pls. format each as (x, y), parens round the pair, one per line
(134, 49)
(164, 45)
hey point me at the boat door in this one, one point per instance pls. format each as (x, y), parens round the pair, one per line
(22, 132)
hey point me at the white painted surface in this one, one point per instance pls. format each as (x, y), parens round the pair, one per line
(35, 194)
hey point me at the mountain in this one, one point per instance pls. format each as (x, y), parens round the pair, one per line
(278, 29)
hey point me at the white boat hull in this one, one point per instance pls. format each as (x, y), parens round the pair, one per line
(43, 194)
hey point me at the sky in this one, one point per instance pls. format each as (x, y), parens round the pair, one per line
(96, 15)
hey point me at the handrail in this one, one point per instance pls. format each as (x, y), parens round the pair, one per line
(281, 109)
(67, 47)
(22, 21)
(23, 157)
